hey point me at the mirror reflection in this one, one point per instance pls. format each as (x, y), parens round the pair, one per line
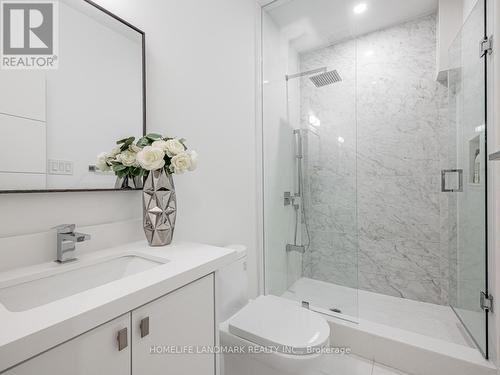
(55, 121)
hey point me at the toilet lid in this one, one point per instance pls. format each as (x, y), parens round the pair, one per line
(281, 325)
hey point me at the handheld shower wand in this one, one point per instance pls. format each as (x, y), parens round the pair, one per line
(297, 199)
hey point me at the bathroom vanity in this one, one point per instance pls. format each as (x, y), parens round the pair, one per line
(126, 310)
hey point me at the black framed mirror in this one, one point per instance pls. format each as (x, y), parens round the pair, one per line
(57, 120)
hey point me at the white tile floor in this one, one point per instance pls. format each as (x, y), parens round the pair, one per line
(354, 365)
(427, 319)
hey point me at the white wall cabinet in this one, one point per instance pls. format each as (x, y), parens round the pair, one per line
(182, 318)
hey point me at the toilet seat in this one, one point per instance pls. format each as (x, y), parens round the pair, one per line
(282, 325)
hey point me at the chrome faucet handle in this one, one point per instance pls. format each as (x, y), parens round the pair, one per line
(65, 228)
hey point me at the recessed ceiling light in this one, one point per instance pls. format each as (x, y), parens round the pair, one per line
(360, 8)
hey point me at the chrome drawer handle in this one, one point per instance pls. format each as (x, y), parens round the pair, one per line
(144, 326)
(122, 339)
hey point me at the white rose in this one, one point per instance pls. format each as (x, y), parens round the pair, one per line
(194, 160)
(115, 151)
(174, 147)
(160, 144)
(127, 158)
(181, 163)
(151, 158)
(134, 148)
(101, 162)
(171, 147)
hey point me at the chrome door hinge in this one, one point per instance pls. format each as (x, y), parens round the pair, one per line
(486, 302)
(486, 46)
(298, 248)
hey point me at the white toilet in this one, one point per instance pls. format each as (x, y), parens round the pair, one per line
(277, 335)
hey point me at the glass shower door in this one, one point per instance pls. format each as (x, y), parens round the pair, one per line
(309, 171)
(465, 184)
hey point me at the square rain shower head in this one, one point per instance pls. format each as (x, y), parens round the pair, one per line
(326, 78)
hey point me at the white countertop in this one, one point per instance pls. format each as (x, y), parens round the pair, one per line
(27, 333)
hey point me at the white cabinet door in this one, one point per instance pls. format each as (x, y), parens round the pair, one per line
(93, 353)
(181, 320)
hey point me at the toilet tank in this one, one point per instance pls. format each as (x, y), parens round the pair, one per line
(231, 285)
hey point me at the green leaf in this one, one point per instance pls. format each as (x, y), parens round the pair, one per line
(136, 171)
(122, 173)
(143, 142)
(121, 141)
(127, 143)
(128, 140)
(153, 136)
(118, 167)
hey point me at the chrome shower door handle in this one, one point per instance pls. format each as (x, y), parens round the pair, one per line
(460, 174)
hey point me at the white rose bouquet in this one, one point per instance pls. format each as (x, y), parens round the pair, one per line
(151, 152)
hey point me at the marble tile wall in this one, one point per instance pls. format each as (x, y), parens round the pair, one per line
(374, 206)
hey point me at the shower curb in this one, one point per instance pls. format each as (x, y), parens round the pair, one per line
(407, 351)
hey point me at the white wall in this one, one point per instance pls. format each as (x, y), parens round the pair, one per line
(449, 22)
(201, 86)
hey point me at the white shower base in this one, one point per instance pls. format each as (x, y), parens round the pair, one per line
(435, 321)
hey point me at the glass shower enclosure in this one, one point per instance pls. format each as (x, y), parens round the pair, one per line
(467, 204)
(310, 192)
(374, 173)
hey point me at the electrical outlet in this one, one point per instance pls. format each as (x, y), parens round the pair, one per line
(60, 167)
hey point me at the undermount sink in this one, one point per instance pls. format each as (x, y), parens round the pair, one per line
(26, 295)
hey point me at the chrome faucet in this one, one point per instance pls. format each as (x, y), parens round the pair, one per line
(66, 242)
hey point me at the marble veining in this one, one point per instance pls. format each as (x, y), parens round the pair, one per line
(372, 191)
